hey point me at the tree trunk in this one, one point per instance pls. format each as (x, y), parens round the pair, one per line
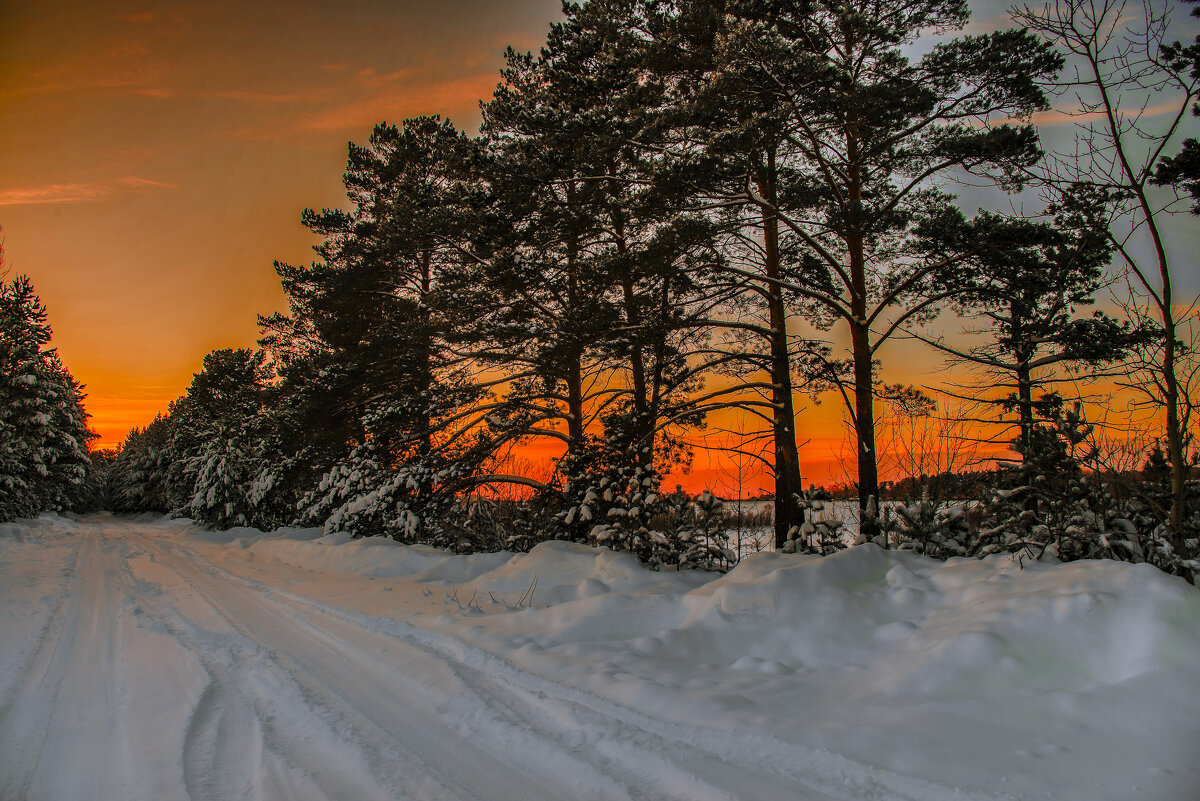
(860, 342)
(1025, 410)
(1174, 441)
(788, 482)
(574, 377)
(575, 431)
(1024, 381)
(864, 429)
(643, 424)
(424, 422)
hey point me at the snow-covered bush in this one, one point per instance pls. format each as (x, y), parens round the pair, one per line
(1062, 505)
(619, 504)
(1083, 519)
(363, 496)
(926, 527)
(478, 524)
(814, 536)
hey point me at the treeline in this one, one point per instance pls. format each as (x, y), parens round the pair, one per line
(663, 212)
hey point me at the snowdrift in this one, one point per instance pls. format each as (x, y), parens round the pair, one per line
(1005, 674)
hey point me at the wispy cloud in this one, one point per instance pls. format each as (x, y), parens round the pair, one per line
(51, 193)
(269, 98)
(134, 53)
(445, 97)
(77, 192)
(137, 182)
(1057, 116)
(368, 76)
(989, 24)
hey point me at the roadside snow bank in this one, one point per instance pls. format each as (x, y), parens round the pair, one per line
(923, 627)
(917, 626)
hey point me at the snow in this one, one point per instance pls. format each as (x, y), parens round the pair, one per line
(149, 659)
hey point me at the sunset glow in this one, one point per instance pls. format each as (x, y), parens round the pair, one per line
(154, 161)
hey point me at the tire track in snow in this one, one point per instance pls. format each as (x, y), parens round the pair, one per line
(253, 733)
(676, 760)
(221, 748)
(49, 628)
(24, 724)
(503, 747)
(356, 698)
(68, 697)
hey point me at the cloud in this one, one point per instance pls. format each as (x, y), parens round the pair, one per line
(268, 98)
(988, 25)
(51, 193)
(1057, 116)
(136, 182)
(76, 192)
(443, 97)
(368, 76)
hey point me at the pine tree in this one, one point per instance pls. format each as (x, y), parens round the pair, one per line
(43, 426)
(1027, 282)
(545, 293)
(714, 148)
(367, 353)
(590, 285)
(1183, 169)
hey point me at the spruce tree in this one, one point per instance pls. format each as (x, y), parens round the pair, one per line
(138, 477)
(43, 426)
(219, 432)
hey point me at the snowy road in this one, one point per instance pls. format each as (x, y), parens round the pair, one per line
(142, 663)
(157, 675)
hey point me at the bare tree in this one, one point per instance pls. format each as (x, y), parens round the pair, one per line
(1143, 372)
(1130, 100)
(927, 440)
(744, 458)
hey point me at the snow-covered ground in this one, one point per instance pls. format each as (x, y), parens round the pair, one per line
(151, 660)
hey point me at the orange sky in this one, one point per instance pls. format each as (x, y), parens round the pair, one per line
(155, 157)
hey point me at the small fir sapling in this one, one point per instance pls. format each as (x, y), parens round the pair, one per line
(927, 527)
(817, 534)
